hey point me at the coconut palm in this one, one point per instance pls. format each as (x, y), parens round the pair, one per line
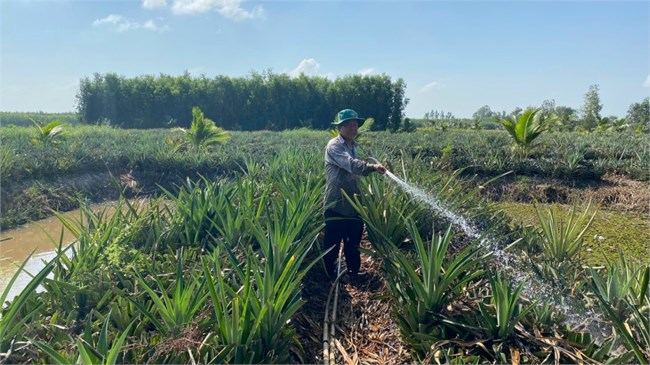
(203, 132)
(525, 128)
(46, 134)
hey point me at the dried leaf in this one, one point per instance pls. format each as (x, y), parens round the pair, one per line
(514, 355)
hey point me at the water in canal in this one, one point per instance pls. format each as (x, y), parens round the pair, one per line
(39, 239)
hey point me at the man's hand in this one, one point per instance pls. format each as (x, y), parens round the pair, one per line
(379, 168)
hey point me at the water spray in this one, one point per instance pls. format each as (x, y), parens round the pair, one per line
(434, 203)
(509, 263)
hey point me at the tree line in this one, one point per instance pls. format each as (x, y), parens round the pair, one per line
(587, 118)
(260, 101)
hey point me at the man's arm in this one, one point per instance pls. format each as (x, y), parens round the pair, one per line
(339, 156)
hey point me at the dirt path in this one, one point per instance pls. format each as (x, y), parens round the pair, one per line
(365, 331)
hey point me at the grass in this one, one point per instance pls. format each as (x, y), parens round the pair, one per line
(609, 232)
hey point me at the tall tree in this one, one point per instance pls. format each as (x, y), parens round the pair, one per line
(548, 107)
(516, 111)
(566, 117)
(591, 109)
(548, 111)
(638, 115)
(483, 113)
(398, 104)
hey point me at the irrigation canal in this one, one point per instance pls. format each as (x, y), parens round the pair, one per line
(39, 239)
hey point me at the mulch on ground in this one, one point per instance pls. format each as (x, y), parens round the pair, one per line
(365, 331)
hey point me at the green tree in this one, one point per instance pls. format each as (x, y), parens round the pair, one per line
(483, 112)
(618, 124)
(548, 107)
(258, 101)
(516, 111)
(591, 109)
(549, 110)
(638, 115)
(408, 126)
(566, 117)
(398, 104)
(612, 124)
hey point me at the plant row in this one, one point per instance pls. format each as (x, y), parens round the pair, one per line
(79, 149)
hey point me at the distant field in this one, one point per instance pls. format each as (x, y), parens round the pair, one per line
(21, 119)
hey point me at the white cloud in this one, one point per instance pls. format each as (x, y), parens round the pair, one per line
(111, 19)
(228, 8)
(121, 24)
(646, 83)
(154, 4)
(308, 66)
(232, 11)
(150, 25)
(367, 71)
(430, 86)
(193, 6)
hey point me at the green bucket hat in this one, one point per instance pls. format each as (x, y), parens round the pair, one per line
(348, 114)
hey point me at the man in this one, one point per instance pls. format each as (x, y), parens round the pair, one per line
(343, 171)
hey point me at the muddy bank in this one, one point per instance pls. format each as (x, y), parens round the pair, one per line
(25, 201)
(612, 192)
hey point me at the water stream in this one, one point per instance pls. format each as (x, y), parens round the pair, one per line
(39, 239)
(511, 264)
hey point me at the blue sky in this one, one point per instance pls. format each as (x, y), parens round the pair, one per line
(454, 56)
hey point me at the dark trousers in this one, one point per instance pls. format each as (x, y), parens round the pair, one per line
(347, 229)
